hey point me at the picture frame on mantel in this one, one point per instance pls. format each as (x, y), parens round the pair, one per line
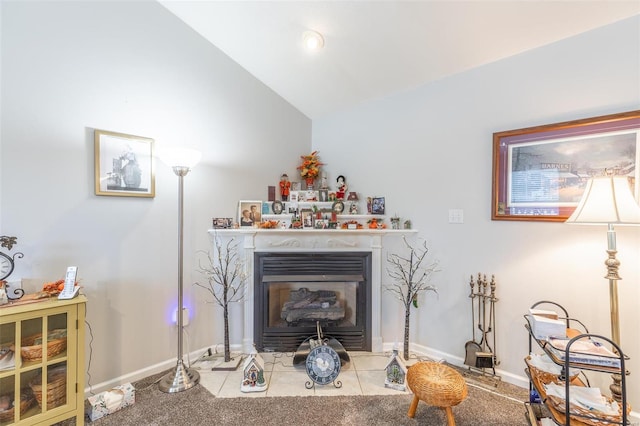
(124, 165)
(539, 173)
(249, 212)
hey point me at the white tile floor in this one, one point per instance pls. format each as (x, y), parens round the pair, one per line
(363, 375)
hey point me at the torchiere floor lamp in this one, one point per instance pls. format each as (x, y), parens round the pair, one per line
(181, 378)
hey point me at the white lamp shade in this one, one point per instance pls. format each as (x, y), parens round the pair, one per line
(607, 200)
(179, 157)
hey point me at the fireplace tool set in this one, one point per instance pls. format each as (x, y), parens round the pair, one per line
(481, 354)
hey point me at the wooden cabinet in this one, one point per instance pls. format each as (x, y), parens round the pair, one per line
(46, 377)
(570, 362)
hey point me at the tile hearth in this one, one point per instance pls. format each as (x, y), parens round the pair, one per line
(363, 375)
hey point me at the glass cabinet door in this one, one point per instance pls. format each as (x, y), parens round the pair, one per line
(38, 349)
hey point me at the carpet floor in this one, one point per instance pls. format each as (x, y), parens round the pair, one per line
(485, 405)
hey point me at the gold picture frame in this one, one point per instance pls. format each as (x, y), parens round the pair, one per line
(124, 165)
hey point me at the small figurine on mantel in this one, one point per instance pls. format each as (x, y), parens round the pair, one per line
(353, 197)
(341, 187)
(285, 187)
(323, 181)
(395, 222)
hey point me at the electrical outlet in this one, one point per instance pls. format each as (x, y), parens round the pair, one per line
(185, 317)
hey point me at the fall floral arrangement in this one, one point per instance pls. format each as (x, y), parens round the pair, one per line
(310, 167)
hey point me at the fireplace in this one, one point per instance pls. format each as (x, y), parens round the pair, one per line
(293, 291)
(367, 245)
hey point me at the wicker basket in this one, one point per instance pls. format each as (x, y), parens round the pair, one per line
(545, 377)
(56, 387)
(588, 417)
(26, 401)
(32, 352)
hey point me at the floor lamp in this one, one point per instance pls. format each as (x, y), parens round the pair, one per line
(180, 378)
(607, 200)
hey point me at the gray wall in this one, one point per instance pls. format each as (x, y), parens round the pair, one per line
(130, 67)
(430, 150)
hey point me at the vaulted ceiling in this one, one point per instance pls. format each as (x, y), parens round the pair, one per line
(377, 48)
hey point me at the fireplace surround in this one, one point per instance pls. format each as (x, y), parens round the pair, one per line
(254, 243)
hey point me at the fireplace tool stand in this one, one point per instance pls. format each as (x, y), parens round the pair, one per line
(481, 355)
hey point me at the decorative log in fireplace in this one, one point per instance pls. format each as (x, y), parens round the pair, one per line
(294, 290)
(320, 306)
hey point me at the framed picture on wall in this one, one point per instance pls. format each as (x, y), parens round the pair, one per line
(124, 165)
(249, 213)
(539, 173)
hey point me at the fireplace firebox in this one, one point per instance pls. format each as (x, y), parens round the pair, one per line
(294, 291)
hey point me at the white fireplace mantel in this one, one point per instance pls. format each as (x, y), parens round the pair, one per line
(253, 240)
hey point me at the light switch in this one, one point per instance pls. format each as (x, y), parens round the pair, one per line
(456, 216)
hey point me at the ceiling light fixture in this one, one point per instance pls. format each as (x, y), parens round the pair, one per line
(313, 40)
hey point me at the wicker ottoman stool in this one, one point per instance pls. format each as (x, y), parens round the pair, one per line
(436, 384)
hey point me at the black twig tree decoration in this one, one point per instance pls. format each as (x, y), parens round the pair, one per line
(411, 278)
(226, 279)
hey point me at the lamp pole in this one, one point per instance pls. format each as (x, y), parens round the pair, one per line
(181, 378)
(612, 275)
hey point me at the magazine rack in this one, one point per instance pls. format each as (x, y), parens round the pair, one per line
(569, 360)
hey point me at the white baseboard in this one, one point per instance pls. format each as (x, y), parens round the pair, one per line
(439, 356)
(144, 372)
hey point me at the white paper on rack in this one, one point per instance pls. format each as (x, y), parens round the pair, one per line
(544, 363)
(586, 397)
(589, 347)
